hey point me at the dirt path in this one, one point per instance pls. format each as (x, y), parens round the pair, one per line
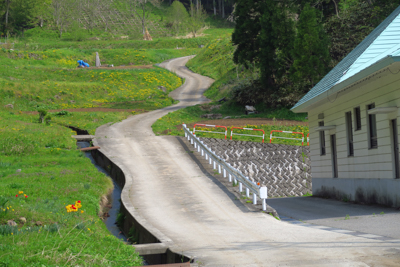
(191, 213)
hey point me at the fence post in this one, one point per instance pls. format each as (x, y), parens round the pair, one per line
(224, 172)
(254, 199)
(230, 177)
(219, 169)
(214, 165)
(247, 192)
(264, 196)
(240, 187)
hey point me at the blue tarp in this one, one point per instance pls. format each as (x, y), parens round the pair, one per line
(83, 64)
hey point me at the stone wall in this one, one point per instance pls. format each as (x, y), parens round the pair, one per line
(284, 169)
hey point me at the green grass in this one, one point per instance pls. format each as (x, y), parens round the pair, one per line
(53, 174)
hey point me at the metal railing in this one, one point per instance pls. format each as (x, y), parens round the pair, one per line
(227, 169)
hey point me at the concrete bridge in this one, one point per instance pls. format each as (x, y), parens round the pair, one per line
(183, 209)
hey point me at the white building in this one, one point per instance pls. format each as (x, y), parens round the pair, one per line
(353, 118)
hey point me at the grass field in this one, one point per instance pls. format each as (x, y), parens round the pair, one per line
(41, 161)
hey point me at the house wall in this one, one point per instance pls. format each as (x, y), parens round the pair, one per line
(369, 175)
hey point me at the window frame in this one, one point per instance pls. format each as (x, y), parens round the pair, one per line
(322, 141)
(372, 129)
(349, 133)
(357, 118)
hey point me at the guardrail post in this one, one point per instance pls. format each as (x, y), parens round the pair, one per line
(198, 148)
(214, 165)
(240, 187)
(202, 152)
(247, 192)
(264, 196)
(195, 145)
(254, 199)
(191, 141)
(230, 178)
(224, 172)
(209, 160)
(219, 169)
(206, 156)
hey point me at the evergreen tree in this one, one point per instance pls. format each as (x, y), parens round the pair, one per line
(311, 50)
(276, 44)
(247, 30)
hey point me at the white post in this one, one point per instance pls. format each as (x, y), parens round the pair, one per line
(188, 136)
(224, 172)
(235, 180)
(230, 177)
(198, 148)
(247, 192)
(191, 141)
(195, 144)
(202, 152)
(254, 199)
(214, 165)
(209, 160)
(264, 203)
(240, 187)
(219, 169)
(206, 156)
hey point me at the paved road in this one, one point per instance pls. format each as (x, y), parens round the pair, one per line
(369, 219)
(192, 215)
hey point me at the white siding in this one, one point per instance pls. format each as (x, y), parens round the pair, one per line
(384, 91)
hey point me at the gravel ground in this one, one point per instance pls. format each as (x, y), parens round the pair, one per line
(284, 169)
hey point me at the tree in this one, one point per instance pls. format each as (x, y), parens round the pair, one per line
(196, 19)
(276, 44)
(311, 49)
(178, 16)
(246, 35)
(142, 8)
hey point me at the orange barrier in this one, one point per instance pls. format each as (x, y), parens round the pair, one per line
(208, 125)
(270, 136)
(250, 129)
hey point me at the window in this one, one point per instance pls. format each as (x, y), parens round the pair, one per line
(357, 119)
(349, 130)
(372, 136)
(322, 139)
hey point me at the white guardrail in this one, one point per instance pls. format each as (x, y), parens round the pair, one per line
(227, 169)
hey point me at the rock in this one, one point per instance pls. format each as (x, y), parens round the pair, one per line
(201, 46)
(72, 101)
(57, 97)
(98, 64)
(11, 223)
(222, 100)
(111, 65)
(19, 170)
(250, 108)
(9, 106)
(162, 88)
(22, 220)
(122, 65)
(227, 117)
(39, 223)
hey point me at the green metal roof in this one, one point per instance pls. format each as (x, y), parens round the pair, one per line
(383, 41)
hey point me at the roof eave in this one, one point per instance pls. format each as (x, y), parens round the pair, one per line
(318, 100)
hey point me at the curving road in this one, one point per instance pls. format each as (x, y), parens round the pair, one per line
(167, 191)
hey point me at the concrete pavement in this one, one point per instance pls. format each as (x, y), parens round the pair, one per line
(168, 193)
(367, 219)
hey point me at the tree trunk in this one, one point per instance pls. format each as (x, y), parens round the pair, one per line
(219, 6)
(144, 13)
(215, 9)
(223, 9)
(7, 12)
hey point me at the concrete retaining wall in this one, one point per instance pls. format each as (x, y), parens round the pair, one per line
(284, 169)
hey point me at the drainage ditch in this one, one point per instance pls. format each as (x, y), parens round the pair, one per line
(129, 226)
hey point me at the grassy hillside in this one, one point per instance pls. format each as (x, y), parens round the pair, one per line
(216, 61)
